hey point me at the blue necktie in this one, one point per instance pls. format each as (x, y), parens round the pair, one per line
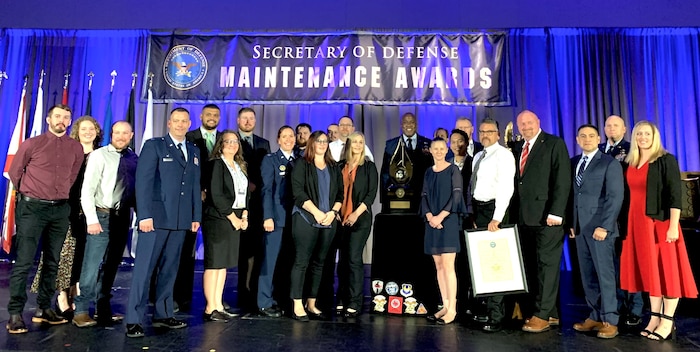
(581, 169)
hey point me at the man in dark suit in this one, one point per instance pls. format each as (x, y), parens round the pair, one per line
(598, 191)
(168, 203)
(204, 138)
(464, 124)
(629, 305)
(417, 148)
(542, 191)
(254, 150)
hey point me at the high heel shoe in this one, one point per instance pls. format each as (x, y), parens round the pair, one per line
(301, 318)
(442, 321)
(316, 316)
(670, 336)
(67, 314)
(646, 332)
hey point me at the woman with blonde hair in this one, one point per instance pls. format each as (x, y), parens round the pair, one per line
(88, 132)
(654, 258)
(360, 181)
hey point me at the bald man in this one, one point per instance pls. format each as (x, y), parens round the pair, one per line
(541, 193)
(628, 304)
(465, 124)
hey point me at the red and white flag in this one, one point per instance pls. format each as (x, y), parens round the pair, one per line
(8, 224)
(38, 122)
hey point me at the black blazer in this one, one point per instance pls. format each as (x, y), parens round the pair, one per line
(546, 181)
(364, 190)
(305, 185)
(195, 136)
(222, 192)
(663, 187)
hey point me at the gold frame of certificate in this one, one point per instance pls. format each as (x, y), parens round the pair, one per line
(495, 261)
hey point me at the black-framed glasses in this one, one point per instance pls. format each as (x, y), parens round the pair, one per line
(322, 141)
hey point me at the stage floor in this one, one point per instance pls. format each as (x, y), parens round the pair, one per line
(368, 333)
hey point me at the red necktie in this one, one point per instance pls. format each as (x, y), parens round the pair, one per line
(523, 157)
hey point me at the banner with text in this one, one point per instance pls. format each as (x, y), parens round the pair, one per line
(466, 69)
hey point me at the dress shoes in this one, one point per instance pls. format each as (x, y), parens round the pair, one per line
(492, 326)
(48, 316)
(480, 318)
(170, 323)
(134, 330)
(16, 324)
(316, 316)
(83, 320)
(271, 312)
(633, 320)
(351, 313)
(231, 313)
(215, 316)
(108, 318)
(552, 321)
(607, 331)
(536, 325)
(431, 318)
(589, 325)
(301, 318)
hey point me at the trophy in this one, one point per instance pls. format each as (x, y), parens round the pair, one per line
(399, 193)
(509, 139)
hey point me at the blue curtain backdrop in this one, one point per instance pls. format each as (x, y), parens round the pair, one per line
(567, 76)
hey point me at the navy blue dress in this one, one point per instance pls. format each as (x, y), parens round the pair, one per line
(443, 191)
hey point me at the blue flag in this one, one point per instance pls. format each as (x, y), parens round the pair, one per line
(107, 126)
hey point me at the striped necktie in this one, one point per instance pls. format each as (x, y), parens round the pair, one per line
(581, 169)
(523, 157)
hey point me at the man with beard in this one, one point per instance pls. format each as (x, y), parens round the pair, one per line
(107, 197)
(204, 138)
(254, 150)
(346, 126)
(303, 131)
(43, 171)
(417, 148)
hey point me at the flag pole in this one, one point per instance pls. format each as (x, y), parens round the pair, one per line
(3, 76)
(114, 76)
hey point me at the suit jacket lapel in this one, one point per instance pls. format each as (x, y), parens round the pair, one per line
(535, 148)
(591, 164)
(175, 152)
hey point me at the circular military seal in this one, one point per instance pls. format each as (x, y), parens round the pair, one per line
(400, 192)
(185, 67)
(392, 288)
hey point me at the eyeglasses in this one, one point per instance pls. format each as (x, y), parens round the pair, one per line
(487, 132)
(345, 125)
(322, 141)
(231, 141)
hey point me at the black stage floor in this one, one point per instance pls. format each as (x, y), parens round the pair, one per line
(368, 333)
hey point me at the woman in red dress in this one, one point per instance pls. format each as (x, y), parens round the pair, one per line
(654, 258)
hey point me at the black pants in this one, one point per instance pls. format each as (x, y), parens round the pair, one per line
(78, 231)
(483, 214)
(542, 250)
(35, 221)
(351, 272)
(311, 244)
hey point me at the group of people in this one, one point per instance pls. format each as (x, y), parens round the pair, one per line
(282, 217)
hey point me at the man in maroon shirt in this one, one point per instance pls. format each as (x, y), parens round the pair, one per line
(43, 171)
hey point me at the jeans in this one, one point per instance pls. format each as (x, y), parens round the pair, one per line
(95, 250)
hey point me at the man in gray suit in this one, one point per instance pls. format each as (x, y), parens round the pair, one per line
(598, 192)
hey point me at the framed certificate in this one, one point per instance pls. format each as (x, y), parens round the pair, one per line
(495, 261)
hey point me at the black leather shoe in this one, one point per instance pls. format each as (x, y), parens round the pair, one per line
(16, 324)
(633, 320)
(231, 312)
(215, 316)
(492, 326)
(431, 318)
(301, 318)
(48, 316)
(480, 318)
(316, 316)
(351, 314)
(170, 323)
(226, 306)
(271, 312)
(134, 330)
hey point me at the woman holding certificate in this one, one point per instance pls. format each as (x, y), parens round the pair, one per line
(442, 206)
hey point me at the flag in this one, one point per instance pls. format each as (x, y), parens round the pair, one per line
(37, 123)
(107, 126)
(64, 100)
(8, 224)
(88, 109)
(148, 125)
(131, 114)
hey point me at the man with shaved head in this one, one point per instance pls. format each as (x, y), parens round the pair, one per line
(629, 304)
(541, 194)
(346, 126)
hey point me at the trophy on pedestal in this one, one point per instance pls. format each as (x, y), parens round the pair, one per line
(399, 193)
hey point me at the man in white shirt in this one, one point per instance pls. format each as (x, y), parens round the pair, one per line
(107, 195)
(346, 126)
(491, 189)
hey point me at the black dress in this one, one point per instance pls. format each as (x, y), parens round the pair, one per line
(443, 191)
